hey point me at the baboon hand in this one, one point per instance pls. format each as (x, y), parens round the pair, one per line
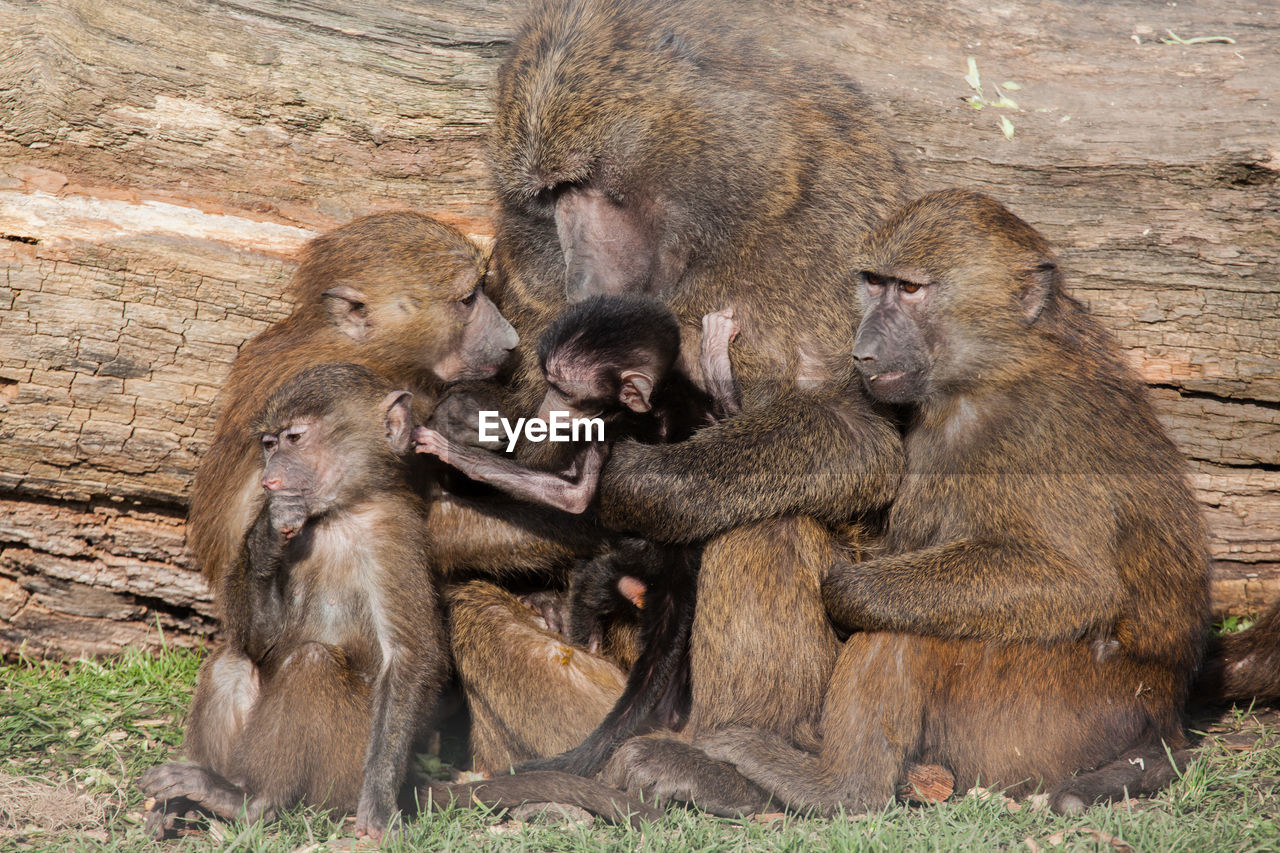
(427, 440)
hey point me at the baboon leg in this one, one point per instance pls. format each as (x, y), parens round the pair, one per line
(541, 786)
(663, 769)
(226, 693)
(531, 694)
(307, 736)
(762, 648)
(872, 720)
(1139, 772)
(1073, 710)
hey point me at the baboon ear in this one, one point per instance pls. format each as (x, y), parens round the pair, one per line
(636, 390)
(1038, 285)
(348, 311)
(397, 410)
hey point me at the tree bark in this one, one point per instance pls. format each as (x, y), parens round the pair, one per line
(161, 161)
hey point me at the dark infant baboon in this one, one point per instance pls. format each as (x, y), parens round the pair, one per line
(1040, 603)
(334, 649)
(678, 150)
(396, 292)
(613, 358)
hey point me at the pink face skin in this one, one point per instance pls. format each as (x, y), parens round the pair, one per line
(300, 475)
(487, 339)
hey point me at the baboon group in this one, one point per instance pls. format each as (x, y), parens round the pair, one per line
(875, 492)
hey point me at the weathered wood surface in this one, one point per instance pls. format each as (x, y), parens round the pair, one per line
(162, 160)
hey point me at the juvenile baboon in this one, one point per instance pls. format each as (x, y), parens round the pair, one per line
(1041, 601)
(668, 148)
(612, 358)
(396, 292)
(334, 648)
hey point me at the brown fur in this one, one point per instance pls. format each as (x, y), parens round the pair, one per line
(1041, 601)
(334, 647)
(733, 175)
(511, 695)
(413, 270)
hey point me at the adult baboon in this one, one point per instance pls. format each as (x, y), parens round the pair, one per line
(396, 292)
(1041, 602)
(671, 149)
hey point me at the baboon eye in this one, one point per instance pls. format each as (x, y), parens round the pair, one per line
(874, 281)
(269, 442)
(909, 286)
(470, 298)
(294, 434)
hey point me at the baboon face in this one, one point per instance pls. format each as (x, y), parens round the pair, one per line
(624, 150)
(954, 283)
(477, 338)
(446, 323)
(607, 354)
(892, 350)
(330, 432)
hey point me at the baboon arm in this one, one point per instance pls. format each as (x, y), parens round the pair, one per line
(823, 456)
(1003, 591)
(499, 537)
(253, 592)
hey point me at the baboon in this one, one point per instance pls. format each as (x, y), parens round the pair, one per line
(396, 292)
(609, 358)
(1041, 601)
(612, 357)
(671, 149)
(334, 641)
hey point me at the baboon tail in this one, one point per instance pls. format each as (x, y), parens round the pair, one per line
(541, 786)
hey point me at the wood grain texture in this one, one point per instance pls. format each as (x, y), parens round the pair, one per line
(161, 161)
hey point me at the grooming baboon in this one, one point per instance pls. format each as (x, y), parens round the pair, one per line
(670, 149)
(1041, 601)
(334, 649)
(612, 358)
(396, 292)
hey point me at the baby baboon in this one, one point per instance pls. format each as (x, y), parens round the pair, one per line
(612, 357)
(334, 649)
(1041, 602)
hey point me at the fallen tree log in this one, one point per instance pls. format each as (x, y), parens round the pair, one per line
(162, 161)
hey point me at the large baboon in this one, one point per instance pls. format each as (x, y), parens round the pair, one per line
(401, 294)
(673, 149)
(1041, 602)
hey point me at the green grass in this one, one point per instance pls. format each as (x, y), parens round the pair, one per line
(75, 737)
